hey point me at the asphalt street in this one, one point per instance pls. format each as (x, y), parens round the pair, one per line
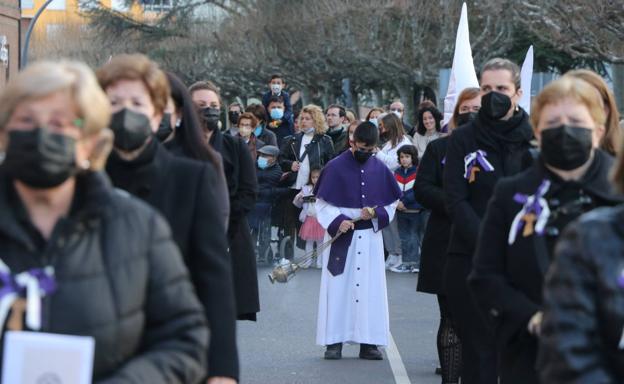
(280, 347)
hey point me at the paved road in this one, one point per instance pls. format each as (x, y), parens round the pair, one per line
(280, 348)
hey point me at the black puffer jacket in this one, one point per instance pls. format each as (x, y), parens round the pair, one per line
(581, 340)
(120, 279)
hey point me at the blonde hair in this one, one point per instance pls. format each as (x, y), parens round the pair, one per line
(317, 117)
(569, 87)
(47, 77)
(611, 139)
(137, 67)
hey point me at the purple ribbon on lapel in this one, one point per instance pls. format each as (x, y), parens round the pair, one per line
(476, 158)
(532, 204)
(34, 284)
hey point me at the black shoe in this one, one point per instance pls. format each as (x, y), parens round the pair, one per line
(438, 371)
(370, 352)
(334, 352)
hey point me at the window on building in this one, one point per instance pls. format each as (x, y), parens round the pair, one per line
(58, 5)
(157, 5)
(27, 4)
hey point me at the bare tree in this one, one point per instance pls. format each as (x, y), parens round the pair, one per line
(583, 28)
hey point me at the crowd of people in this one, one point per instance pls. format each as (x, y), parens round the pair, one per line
(145, 204)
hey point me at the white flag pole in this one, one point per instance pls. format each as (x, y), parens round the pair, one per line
(463, 73)
(526, 77)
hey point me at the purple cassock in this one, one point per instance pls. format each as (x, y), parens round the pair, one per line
(344, 182)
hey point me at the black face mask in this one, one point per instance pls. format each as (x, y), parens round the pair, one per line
(495, 105)
(466, 117)
(233, 117)
(164, 129)
(211, 117)
(362, 156)
(131, 129)
(566, 147)
(39, 158)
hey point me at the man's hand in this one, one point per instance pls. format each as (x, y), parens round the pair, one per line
(535, 324)
(295, 166)
(220, 380)
(401, 206)
(346, 226)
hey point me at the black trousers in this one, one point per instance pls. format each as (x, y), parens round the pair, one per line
(478, 346)
(518, 359)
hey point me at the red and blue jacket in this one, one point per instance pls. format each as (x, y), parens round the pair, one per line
(406, 177)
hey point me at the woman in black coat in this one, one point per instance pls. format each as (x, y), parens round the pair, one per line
(299, 153)
(182, 190)
(240, 172)
(106, 263)
(529, 211)
(493, 146)
(429, 192)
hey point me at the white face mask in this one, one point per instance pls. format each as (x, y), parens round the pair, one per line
(397, 113)
(276, 88)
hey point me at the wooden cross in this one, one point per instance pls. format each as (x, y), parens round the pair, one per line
(16, 320)
(529, 224)
(473, 174)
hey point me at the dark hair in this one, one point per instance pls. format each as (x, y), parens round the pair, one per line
(206, 85)
(276, 99)
(277, 76)
(342, 112)
(314, 168)
(497, 64)
(393, 127)
(366, 133)
(408, 149)
(257, 110)
(190, 133)
(437, 116)
(248, 116)
(236, 104)
(368, 115)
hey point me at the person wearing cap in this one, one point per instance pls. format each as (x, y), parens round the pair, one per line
(268, 173)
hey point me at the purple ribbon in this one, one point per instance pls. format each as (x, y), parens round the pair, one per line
(47, 284)
(621, 279)
(477, 158)
(531, 204)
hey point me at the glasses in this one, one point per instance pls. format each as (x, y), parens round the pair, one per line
(396, 110)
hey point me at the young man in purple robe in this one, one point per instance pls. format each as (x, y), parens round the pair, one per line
(356, 198)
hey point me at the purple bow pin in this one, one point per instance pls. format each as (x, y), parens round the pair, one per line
(534, 214)
(34, 284)
(475, 162)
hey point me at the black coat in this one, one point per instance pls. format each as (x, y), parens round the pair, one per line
(429, 192)
(583, 303)
(176, 147)
(507, 279)
(320, 152)
(340, 139)
(268, 137)
(268, 183)
(240, 172)
(466, 202)
(184, 192)
(120, 279)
